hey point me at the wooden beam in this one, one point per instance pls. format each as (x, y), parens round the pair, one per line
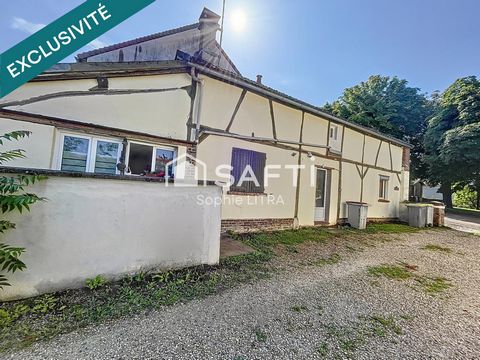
(378, 152)
(272, 115)
(391, 158)
(65, 94)
(299, 163)
(235, 111)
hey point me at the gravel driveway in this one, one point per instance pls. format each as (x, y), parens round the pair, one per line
(463, 222)
(313, 309)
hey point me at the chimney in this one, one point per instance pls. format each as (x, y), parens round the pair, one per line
(208, 24)
(259, 79)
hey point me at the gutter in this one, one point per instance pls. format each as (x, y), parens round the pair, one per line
(232, 79)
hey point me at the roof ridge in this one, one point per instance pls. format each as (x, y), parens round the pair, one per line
(138, 40)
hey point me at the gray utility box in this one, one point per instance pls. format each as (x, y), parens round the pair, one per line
(420, 215)
(357, 214)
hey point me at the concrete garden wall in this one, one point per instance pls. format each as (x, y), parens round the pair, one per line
(112, 227)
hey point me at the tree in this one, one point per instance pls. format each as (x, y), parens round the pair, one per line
(13, 198)
(452, 139)
(390, 106)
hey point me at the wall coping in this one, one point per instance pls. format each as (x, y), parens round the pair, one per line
(72, 174)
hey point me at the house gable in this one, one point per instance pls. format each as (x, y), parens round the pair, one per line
(197, 40)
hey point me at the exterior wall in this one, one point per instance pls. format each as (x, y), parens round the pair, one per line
(166, 113)
(38, 147)
(93, 226)
(253, 117)
(158, 113)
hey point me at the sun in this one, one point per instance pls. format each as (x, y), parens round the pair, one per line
(239, 20)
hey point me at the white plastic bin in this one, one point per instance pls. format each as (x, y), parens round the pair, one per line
(357, 214)
(420, 215)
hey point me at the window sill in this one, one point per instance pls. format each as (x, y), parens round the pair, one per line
(241, 193)
(383, 201)
(336, 153)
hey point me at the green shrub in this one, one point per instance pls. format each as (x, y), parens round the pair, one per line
(465, 198)
(13, 197)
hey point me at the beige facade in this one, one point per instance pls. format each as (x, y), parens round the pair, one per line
(164, 106)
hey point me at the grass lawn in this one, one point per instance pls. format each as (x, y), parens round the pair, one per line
(26, 321)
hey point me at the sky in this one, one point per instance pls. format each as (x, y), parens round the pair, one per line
(309, 49)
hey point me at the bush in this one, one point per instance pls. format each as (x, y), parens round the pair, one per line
(13, 198)
(465, 198)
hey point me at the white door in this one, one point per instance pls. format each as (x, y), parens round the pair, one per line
(320, 191)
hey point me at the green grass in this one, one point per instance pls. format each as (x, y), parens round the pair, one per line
(260, 335)
(433, 247)
(390, 271)
(331, 260)
(299, 308)
(434, 285)
(288, 238)
(343, 341)
(389, 228)
(26, 321)
(431, 285)
(381, 325)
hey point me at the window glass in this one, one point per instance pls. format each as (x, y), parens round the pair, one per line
(162, 158)
(75, 154)
(333, 132)
(106, 157)
(383, 193)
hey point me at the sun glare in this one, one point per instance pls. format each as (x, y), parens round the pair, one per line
(239, 20)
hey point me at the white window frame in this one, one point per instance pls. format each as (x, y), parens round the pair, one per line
(154, 154)
(91, 152)
(384, 183)
(333, 132)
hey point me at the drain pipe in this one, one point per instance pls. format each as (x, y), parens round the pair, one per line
(199, 102)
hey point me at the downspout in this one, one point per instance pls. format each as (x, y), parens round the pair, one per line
(199, 103)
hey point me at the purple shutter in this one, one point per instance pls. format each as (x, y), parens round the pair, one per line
(241, 158)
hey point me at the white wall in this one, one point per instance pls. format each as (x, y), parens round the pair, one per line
(93, 226)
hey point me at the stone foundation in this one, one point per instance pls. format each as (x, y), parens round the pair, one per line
(250, 225)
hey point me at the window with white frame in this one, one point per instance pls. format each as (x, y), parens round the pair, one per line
(81, 153)
(333, 132)
(383, 188)
(151, 160)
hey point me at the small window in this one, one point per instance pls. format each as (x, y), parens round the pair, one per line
(89, 154)
(248, 171)
(383, 188)
(150, 160)
(334, 132)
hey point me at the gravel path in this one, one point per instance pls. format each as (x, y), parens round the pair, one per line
(311, 312)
